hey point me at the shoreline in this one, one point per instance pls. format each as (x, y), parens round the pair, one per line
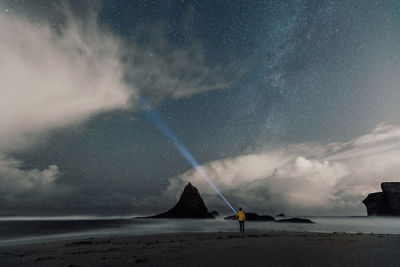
(274, 248)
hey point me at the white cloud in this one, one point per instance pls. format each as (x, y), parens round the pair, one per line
(15, 180)
(306, 178)
(51, 79)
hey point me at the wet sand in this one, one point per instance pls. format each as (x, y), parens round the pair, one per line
(212, 249)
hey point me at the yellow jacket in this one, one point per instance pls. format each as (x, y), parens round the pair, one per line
(241, 216)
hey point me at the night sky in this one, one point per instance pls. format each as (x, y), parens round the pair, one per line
(289, 106)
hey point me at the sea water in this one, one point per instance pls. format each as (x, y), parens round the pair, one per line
(18, 230)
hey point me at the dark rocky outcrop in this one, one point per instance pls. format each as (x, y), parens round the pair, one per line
(386, 203)
(190, 205)
(295, 220)
(280, 215)
(251, 216)
(215, 213)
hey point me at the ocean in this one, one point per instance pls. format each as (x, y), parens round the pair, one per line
(22, 230)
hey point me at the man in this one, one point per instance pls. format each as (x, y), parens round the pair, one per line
(241, 218)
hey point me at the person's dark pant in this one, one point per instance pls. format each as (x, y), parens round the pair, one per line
(241, 224)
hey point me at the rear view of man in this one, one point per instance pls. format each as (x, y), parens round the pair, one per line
(242, 217)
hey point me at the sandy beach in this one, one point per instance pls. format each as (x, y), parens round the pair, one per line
(212, 249)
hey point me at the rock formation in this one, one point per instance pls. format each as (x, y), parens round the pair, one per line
(215, 213)
(295, 220)
(386, 203)
(251, 216)
(190, 205)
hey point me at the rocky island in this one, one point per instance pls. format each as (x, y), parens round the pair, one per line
(190, 205)
(251, 216)
(385, 203)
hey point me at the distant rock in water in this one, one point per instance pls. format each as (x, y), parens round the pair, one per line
(280, 215)
(295, 220)
(190, 205)
(215, 213)
(386, 203)
(251, 216)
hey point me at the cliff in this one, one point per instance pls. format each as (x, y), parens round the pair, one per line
(386, 203)
(190, 205)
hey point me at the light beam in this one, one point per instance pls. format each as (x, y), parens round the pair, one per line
(168, 133)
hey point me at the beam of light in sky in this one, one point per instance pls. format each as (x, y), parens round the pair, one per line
(167, 132)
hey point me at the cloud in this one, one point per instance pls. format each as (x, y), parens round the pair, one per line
(304, 178)
(28, 188)
(52, 79)
(15, 180)
(57, 77)
(164, 72)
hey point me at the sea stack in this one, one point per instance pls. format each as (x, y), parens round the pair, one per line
(385, 203)
(190, 205)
